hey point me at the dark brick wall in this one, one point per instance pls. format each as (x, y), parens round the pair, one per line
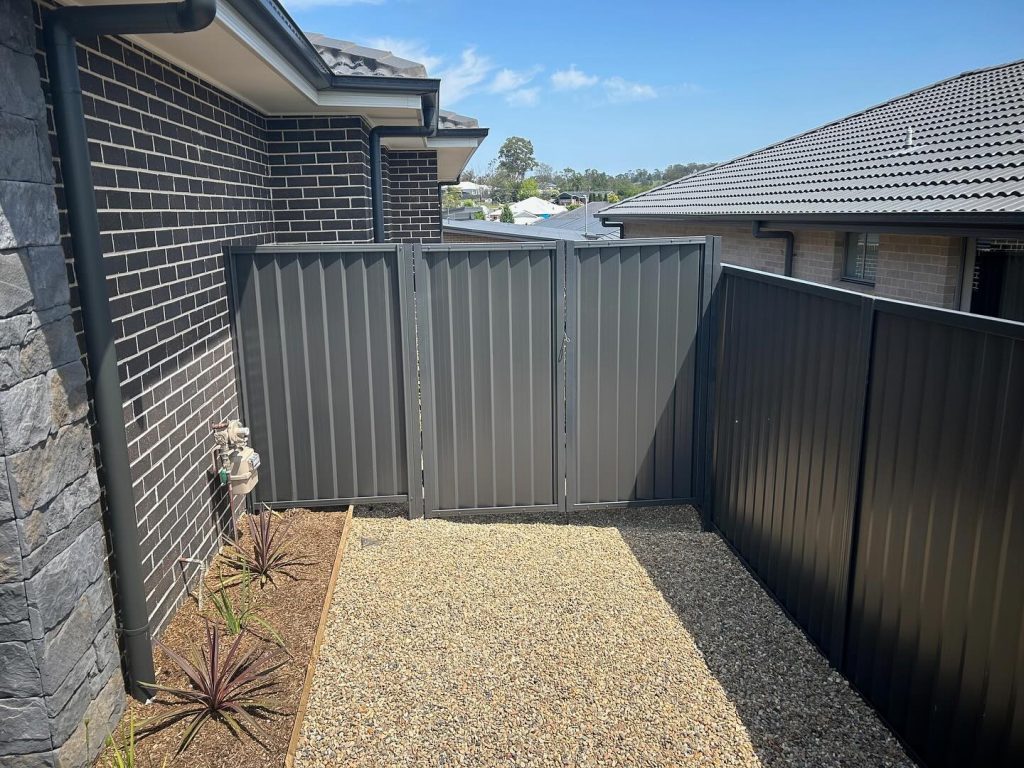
(320, 179)
(413, 210)
(180, 171)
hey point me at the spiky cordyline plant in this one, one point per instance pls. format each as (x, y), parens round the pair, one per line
(226, 686)
(267, 554)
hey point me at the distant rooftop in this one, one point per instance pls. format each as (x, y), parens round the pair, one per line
(513, 232)
(582, 220)
(955, 147)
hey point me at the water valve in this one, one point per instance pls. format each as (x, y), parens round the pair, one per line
(237, 463)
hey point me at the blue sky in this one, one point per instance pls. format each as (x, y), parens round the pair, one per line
(619, 85)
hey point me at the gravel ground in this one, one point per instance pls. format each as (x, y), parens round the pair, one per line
(623, 638)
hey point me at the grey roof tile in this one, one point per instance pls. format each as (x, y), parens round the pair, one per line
(347, 58)
(955, 146)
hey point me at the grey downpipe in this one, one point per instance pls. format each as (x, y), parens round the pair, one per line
(429, 128)
(62, 27)
(787, 268)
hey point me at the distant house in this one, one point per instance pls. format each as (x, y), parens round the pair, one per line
(920, 198)
(570, 198)
(474, 191)
(535, 208)
(582, 220)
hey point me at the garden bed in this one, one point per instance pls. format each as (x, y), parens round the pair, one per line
(293, 608)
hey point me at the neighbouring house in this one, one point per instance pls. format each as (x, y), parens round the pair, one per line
(920, 198)
(243, 131)
(584, 221)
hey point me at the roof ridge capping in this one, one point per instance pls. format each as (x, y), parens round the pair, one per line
(945, 81)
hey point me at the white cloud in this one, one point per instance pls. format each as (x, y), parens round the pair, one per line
(413, 50)
(304, 4)
(523, 97)
(619, 90)
(510, 80)
(572, 79)
(463, 78)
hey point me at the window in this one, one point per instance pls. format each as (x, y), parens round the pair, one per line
(861, 257)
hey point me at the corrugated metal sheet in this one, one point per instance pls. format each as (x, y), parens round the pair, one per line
(488, 321)
(954, 146)
(868, 463)
(937, 619)
(633, 316)
(790, 376)
(319, 339)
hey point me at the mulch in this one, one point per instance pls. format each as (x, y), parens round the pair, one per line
(293, 609)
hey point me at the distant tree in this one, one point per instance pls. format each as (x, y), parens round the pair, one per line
(468, 175)
(452, 197)
(479, 216)
(506, 215)
(516, 158)
(613, 198)
(528, 188)
(544, 174)
(680, 170)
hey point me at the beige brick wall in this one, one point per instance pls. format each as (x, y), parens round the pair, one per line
(920, 268)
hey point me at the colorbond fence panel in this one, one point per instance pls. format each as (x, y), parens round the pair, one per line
(936, 620)
(789, 409)
(489, 319)
(320, 337)
(868, 464)
(633, 314)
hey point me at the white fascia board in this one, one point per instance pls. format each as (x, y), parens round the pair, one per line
(369, 99)
(439, 142)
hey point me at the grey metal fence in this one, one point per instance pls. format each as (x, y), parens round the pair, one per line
(868, 464)
(437, 373)
(322, 335)
(634, 308)
(489, 320)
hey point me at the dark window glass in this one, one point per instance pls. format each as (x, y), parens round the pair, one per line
(861, 257)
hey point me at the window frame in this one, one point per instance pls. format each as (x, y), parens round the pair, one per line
(849, 243)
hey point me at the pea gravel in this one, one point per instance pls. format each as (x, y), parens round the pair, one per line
(623, 638)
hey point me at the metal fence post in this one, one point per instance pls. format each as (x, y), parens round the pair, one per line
(707, 339)
(410, 379)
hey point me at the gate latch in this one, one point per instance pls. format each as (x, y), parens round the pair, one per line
(565, 343)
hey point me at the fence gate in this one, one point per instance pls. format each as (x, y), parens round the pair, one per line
(321, 336)
(632, 398)
(489, 321)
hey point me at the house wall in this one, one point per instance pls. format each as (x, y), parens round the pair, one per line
(413, 206)
(180, 170)
(58, 654)
(320, 179)
(922, 268)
